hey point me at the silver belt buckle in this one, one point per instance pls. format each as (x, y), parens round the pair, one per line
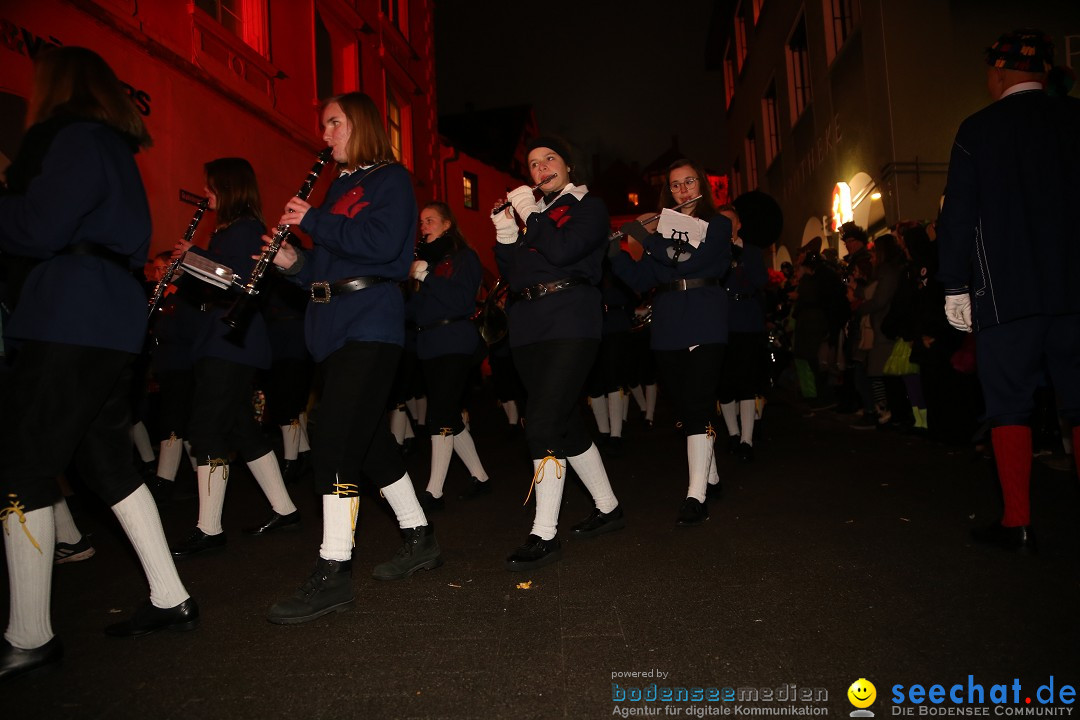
(322, 297)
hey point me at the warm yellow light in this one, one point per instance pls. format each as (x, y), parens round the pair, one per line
(633, 198)
(875, 196)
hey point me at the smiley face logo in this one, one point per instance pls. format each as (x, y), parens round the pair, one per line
(862, 693)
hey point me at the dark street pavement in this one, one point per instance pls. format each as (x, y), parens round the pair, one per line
(836, 555)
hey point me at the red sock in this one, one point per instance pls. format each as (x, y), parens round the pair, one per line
(1076, 445)
(1012, 452)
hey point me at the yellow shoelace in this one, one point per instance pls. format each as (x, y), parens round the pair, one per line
(350, 490)
(216, 463)
(172, 439)
(538, 476)
(710, 431)
(18, 509)
(446, 431)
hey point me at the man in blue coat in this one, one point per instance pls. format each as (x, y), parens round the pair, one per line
(1010, 251)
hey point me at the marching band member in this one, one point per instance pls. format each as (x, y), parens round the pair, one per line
(552, 267)
(756, 223)
(225, 367)
(609, 373)
(363, 246)
(77, 204)
(447, 343)
(689, 327)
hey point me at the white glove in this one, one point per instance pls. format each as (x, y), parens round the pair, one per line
(522, 200)
(419, 270)
(958, 311)
(506, 228)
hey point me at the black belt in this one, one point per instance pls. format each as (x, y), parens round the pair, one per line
(321, 292)
(687, 284)
(99, 251)
(440, 323)
(741, 296)
(535, 292)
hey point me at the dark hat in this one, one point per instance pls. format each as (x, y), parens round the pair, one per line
(561, 148)
(760, 218)
(1026, 50)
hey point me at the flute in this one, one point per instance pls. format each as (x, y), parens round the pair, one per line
(240, 313)
(170, 272)
(535, 187)
(619, 234)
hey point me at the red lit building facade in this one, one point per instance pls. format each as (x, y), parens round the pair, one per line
(243, 78)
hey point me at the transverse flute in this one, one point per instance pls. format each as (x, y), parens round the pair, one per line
(535, 187)
(618, 234)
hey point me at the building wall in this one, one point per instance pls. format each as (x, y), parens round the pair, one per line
(205, 93)
(886, 108)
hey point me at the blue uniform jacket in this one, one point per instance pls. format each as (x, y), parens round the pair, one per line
(683, 318)
(448, 292)
(234, 247)
(618, 304)
(366, 226)
(746, 290)
(89, 192)
(1008, 232)
(563, 241)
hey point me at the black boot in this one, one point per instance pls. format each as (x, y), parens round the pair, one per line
(420, 552)
(692, 512)
(149, 619)
(329, 589)
(599, 523)
(16, 661)
(535, 553)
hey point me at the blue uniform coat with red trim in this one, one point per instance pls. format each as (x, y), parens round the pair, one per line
(448, 292)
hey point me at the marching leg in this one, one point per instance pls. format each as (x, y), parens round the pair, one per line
(267, 473)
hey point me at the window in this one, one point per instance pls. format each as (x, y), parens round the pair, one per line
(770, 122)
(729, 75)
(751, 160)
(324, 60)
(736, 178)
(399, 125)
(246, 19)
(393, 123)
(740, 39)
(470, 190)
(841, 19)
(396, 12)
(756, 5)
(798, 70)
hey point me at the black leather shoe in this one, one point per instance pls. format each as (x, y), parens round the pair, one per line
(149, 619)
(476, 489)
(1018, 539)
(16, 661)
(198, 542)
(535, 553)
(430, 503)
(745, 452)
(161, 489)
(276, 522)
(329, 589)
(420, 552)
(599, 523)
(692, 512)
(733, 443)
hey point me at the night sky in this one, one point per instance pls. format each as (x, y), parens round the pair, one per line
(615, 78)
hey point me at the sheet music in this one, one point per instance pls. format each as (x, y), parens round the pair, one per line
(209, 271)
(676, 226)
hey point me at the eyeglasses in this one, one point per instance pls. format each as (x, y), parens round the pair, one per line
(688, 183)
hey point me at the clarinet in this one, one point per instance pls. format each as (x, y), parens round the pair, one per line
(241, 311)
(170, 272)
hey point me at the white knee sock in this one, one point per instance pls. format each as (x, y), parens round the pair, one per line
(339, 527)
(141, 438)
(639, 395)
(549, 476)
(398, 422)
(650, 401)
(590, 468)
(66, 530)
(466, 450)
(713, 475)
(304, 444)
(698, 455)
(212, 481)
(138, 515)
(442, 451)
(746, 419)
(600, 412)
(402, 499)
(29, 543)
(625, 407)
(616, 412)
(169, 457)
(267, 473)
(290, 440)
(411, 404)
(730, 411)
(511, 409)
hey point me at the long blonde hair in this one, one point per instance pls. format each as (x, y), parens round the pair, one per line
(368, 141)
